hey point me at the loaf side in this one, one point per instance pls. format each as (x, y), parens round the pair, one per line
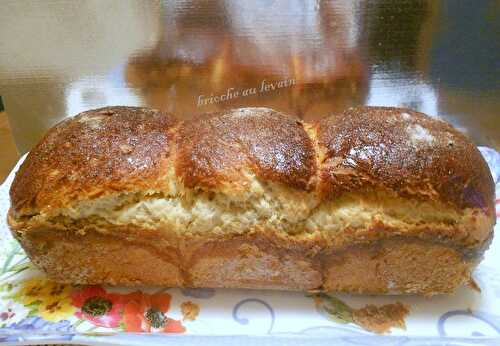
(271, 201)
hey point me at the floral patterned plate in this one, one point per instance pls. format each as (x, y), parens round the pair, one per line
(34, 310)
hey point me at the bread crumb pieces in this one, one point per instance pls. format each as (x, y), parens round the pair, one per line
(380, 319)
(189, 311)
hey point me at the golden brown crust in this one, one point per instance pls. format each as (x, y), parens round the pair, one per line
(404, 151)
(117, 148)
(216, 149)
(397, 266)
(94, 153)
(391, 266)
(315, 202)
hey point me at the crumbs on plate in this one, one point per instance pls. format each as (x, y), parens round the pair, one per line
(189, 311)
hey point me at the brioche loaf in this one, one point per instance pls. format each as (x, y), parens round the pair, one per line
(374, 200)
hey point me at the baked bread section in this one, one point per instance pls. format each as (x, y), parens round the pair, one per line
(373, 200)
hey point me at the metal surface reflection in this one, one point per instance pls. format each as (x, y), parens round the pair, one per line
(295, 56)
(305, 58)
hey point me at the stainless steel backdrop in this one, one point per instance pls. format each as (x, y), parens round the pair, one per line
(58, 58)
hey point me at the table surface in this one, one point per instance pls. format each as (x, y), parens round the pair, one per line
(305, 58)
(8, 151)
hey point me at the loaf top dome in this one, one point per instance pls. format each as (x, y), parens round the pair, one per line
(126, 149)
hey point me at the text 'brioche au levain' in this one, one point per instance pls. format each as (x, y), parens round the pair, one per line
(374, 200)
